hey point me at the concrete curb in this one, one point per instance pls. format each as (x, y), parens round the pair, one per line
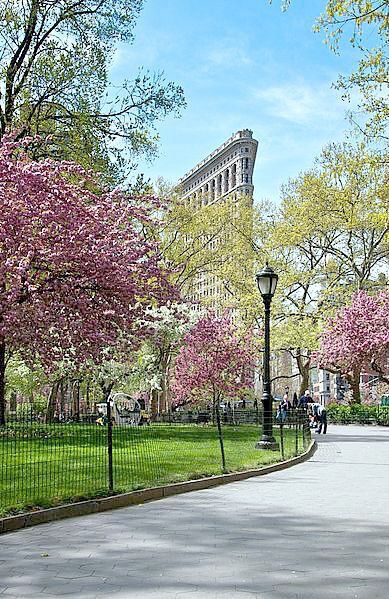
(103, 504)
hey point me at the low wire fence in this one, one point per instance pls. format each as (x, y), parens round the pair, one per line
(46, 464)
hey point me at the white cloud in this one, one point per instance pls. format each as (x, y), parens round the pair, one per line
(301, 103)
(228, 54)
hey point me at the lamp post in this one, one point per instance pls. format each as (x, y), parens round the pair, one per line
(267, 283)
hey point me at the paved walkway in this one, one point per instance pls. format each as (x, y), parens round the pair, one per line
(318, 530)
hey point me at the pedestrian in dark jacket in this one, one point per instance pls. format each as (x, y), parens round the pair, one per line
(305, 400)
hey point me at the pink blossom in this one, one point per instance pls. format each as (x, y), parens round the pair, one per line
(357, 338)
(214, 360)
(75, 269)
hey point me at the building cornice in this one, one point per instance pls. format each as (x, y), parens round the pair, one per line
(240, 137)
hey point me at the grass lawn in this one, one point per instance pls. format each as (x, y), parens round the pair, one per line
(43, 465)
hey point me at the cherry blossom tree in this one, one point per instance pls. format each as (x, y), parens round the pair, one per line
(76, 271)
(214, 362)
(357, 339)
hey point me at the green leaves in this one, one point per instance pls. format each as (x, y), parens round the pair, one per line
(54, 61)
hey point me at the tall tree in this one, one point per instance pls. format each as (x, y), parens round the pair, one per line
(54, 60)
(342, 206)
(328, 239)
(209, 249)
(213, 362)
(75, 268)
(365, 22)
(166, 326)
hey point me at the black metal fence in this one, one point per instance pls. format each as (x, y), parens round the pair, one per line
(46, 464)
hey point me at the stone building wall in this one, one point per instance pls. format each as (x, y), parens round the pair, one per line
(227, 170)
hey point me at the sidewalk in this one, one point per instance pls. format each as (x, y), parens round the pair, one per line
(319, 530)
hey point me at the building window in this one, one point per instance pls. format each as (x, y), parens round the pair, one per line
(246, 149)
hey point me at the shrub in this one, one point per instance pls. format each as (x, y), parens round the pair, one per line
(357, 413)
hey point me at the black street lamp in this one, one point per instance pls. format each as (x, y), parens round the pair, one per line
(267, 283)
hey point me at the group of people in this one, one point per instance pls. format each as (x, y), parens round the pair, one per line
(316, 413)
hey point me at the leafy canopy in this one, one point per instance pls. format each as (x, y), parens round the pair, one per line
(366, 24)
(54, 60)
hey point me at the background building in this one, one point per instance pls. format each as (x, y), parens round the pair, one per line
(227, 170)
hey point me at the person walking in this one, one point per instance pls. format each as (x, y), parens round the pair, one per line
(322, 415)
(284, 406)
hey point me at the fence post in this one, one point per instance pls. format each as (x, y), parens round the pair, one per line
(109, 446)
(296, 441)
(282, 440)
(220, 434)
(308, 435)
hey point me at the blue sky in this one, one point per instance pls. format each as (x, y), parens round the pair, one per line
(242, 65)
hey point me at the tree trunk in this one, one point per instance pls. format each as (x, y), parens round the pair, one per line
(2, 383)
(76, 400)
(167, 383)
(154, 404)
(62, 398)
(50, 409)
(87, 397)
(216, 401)
(353, 379)
(106, 389)
(164, 395)
(303, 364)
(69, 397)
(13, 401)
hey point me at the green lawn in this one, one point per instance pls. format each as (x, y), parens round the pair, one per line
(43, 465)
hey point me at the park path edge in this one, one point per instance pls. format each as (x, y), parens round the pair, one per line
(92, 506)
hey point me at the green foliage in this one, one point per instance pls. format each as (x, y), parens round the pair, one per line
(357, 413)
(54, 62)
(215, 242)
(25, 411)
(340, 208)
(328, 239)
(25, 381)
